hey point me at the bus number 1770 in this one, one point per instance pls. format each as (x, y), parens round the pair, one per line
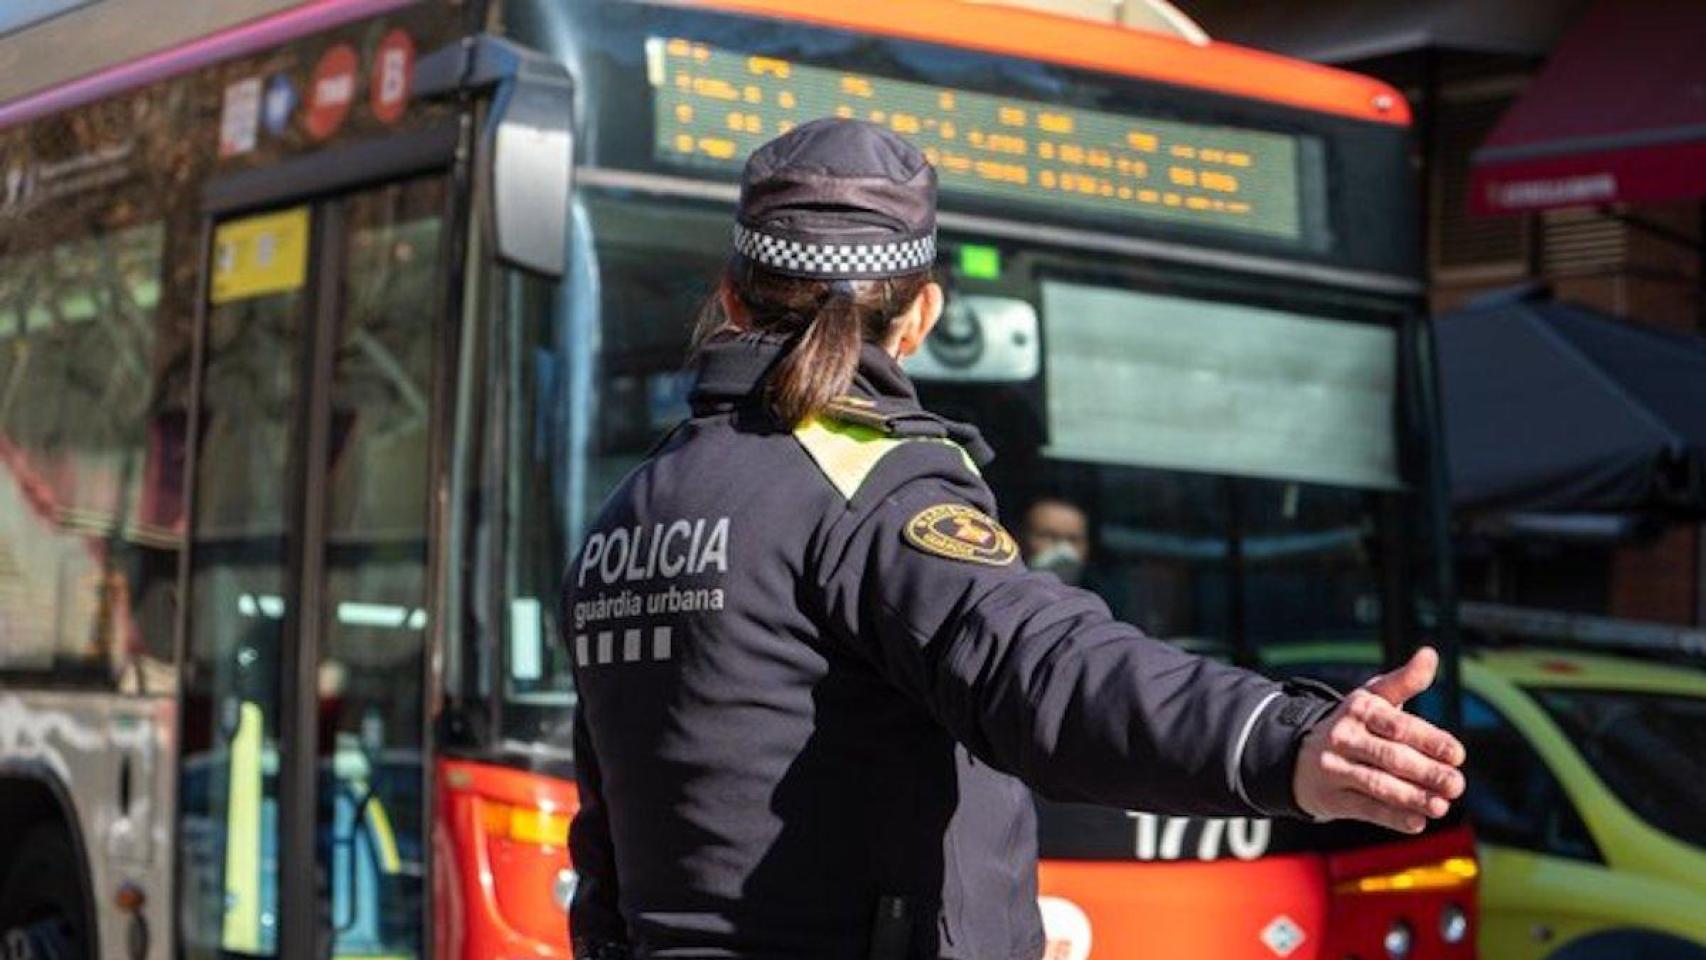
(1166, 838)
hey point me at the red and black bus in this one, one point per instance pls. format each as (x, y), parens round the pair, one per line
(325, 326)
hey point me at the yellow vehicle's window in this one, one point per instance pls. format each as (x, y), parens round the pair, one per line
(1650, 749)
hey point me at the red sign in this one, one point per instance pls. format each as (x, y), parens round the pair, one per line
(1656, 173)
(393, 67)
(331, 91)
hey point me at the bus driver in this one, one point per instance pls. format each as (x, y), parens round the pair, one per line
(828, 757)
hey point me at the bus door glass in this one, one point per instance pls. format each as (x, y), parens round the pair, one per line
(308, 580)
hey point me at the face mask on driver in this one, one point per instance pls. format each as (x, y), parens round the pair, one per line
(1061, 559)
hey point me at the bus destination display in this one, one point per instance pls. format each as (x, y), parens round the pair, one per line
(714, 106)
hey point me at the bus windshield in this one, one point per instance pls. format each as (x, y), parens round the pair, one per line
(1234, 468)
(1185, 341)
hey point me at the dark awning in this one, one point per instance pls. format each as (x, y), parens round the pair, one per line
(1555, 407)
(1618, 115)
(1334, 31)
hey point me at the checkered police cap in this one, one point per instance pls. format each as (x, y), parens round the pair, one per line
(838, 200)
(835, 261)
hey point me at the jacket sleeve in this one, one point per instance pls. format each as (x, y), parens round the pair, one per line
(595, 923)
(1037, 679)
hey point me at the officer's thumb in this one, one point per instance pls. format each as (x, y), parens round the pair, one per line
(1399, 686)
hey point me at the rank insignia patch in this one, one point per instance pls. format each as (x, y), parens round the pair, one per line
(958, 532)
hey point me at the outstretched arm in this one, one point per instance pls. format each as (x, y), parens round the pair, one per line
(1038, 679)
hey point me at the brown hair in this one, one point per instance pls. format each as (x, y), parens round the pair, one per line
(825, 321)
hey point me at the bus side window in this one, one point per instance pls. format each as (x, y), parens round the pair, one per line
(1513, 797)
(92, 434)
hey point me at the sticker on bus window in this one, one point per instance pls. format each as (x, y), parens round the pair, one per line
(278, 103)
(239, 116)
(393, 65)
(260, 256)
(331, 91)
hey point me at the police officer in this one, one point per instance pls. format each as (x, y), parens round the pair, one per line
(815, 680)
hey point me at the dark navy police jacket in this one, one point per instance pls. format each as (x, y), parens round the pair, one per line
(815, 683)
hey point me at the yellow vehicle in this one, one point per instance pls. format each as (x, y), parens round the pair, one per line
(1587, 791)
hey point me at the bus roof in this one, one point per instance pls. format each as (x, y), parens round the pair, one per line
(1012, 31)
(235, 41)
(1109, 48)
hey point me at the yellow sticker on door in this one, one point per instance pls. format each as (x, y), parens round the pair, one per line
(260, 256)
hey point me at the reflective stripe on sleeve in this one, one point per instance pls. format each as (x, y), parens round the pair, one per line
(1235, 759)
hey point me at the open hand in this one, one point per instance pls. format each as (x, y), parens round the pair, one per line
(1369, 760)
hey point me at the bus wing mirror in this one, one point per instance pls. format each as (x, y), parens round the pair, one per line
(527, 147)
(531, 146)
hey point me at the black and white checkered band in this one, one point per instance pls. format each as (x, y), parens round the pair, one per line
(836, 261)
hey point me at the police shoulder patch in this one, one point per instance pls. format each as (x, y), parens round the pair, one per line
(959, 532)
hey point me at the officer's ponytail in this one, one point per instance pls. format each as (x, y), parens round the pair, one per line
(826, 322)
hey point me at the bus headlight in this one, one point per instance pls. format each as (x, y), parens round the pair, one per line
(1398, 941)
(1453, 924)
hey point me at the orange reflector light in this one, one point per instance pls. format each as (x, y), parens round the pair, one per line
(129, 898)
(524, 824)
(1447, 874)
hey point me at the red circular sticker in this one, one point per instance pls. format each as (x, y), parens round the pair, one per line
(331, 91)
(393, 67)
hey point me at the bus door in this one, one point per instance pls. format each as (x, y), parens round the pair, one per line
(302, 798)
